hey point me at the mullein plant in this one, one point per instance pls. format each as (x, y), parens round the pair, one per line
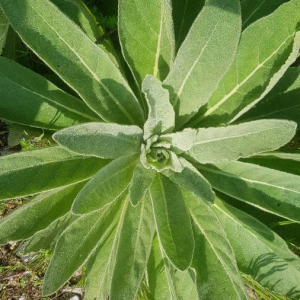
(138, 185)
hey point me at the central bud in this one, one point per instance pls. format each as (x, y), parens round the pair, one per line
(157, 154)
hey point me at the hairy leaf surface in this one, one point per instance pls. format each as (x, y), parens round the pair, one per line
(29, 99)
(35, 171)
(261, 61)
(214, 145)
(106, 186)
(4, 25)
(196, 71)
(147, 26)
(39, 213)
(260, 252)
(214, 259)
(75, 58)
(271, 190)
(105, 140)
(172, 221)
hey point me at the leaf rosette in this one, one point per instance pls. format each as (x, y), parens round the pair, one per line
(150, 181)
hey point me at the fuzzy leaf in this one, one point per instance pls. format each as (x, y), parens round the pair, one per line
(105, 140)
(147, 26)
(204, 58)
(282, 102)
(4, 25)
(75, 58)
(191, 179)
(261, 61)
(106, 186)
(285, 162)
(214, 259)
(140, 183)
(166, 282)
(133, 250)
(39, 213)
(77, 243)
(29, 99)
(172, 221)
(184, 14)
(214, 145)
(253, 10)
(260, 252)
(181, 141)
(161, 117)
(32, 172)
(47, 238)
(270, 190)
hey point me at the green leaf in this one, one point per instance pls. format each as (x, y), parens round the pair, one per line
(133, 250)
(184, 14)
(214, 145)
(47, 238)
(75, 58)
(172, 221)
(253, 10)
(77, 243)
(180, 141)
(140, 183)
(4, 25)
(106, 186)
(147, 26)
(78, 12)
(285, 162)
(29, 99)
(270, 190)
(261, 61)
(38, 214)
(282, 102)
(191, 179)
(161, 117)
(260, 252)
(166, 282)
(32, 172)
(218, 275)
(105, 140)
(204, 58)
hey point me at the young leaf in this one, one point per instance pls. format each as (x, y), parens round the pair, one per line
(184, 14)
(270, 190)
(4, 25)
(172, 221)
(161, 117)
(77, 243)
(181, 141)
(261, 61)
(133, 250)
(39, 103)
(75, 58)
(36, 171)
(166, 282)
(191, 179)
(214, 145)
(214, 259)
(285, 162)
(105, 140)
(282, 102)
(38, 214)
(47, 238)
(266, 257)
(106, 186)
(147, 26)
(204, 57)
(140, 183)
(253, 10)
